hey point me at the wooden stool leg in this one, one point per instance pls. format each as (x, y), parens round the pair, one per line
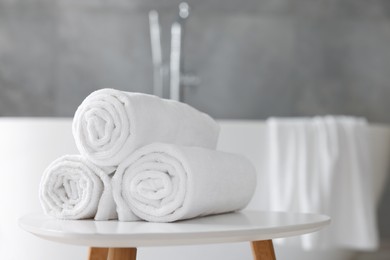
(122, 254)
(263, 250)
(97, 253)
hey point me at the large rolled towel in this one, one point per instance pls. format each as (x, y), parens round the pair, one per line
(110, 124)
(165, 183)
(74, 188)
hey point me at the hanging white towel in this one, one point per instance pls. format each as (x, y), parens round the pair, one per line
(73, 188)
(322, 165)
(165, 183)
(110, 124)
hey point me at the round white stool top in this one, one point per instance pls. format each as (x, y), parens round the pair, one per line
(224, 228)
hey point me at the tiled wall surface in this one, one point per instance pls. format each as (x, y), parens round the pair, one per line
(255, 58)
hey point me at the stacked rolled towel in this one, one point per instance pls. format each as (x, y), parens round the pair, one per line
(163, 156)
(110, 124)
(166, 182)
(73, 188)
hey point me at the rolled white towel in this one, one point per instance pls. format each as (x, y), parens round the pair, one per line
(74, 188)
(165, 183)
(110, 124)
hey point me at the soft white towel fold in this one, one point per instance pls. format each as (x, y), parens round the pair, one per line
(73, 188)
(322, 165)
(165, 183)
(110, 124)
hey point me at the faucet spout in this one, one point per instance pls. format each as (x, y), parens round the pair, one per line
(177, 79)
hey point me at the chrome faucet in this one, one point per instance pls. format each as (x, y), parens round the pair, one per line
(177, 79)
(155, 40)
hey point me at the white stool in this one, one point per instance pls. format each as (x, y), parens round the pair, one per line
(114, 240)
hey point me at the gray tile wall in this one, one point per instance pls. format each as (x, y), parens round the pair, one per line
(255, 58)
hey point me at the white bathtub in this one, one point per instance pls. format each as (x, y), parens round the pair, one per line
(28, 145)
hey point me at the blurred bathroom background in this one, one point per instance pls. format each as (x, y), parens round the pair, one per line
(253, 58)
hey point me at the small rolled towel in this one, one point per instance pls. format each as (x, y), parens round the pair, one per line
(74, 188)
(165, 182)
(110, 124)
